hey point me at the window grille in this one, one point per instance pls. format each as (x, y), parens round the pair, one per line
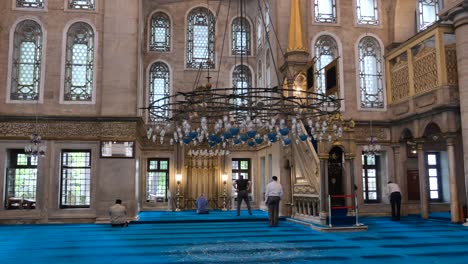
(326, 50)
(240, 37)
(159, 88)
(81, 4)
(371, 73)
(325, 11)
(30, 3)
(75, 179)
(157, 181)
(367, 12)
(160, 39)
(200, 39)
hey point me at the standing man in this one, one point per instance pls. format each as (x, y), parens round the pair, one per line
(273, 194)
(242, 188)
(395, 199)
(118, 214)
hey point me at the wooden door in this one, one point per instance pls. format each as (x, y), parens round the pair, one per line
(412, 180)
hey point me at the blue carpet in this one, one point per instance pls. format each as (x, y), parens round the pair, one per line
(411, 240)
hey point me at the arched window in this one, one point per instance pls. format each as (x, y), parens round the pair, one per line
(267, 16)
(200, 38)
(260, 74)
(26, 61)
(30, 3)
(79, 63)
(240, 31)
(325, 11)
(259, 29)
(370, 73)
(242, 81)
(160, 38)
(159, 83)
(268, 70)
(326, 50)
(81, 4)
(427, 12)
(367, 12)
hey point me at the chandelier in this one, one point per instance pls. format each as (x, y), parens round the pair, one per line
(35, 147)
(372, 147)
(224, 117)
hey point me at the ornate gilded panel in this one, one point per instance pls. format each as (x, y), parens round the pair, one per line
(451, 62)
(425, 70)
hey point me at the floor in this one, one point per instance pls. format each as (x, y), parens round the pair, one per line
(222, 237)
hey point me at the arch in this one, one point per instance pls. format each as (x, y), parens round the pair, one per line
(194, 57)
(432, 132)
(13, 28)
(163, 71)
(64, 56)
(241, 25)
(168, 46)
(372, 41)
(404, 19)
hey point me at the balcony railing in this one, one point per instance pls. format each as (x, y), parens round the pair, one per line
(423, 63)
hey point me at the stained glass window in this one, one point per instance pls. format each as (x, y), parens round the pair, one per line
(267, 16)
(370, 73)
(159, 88)
(240, 37)
(26, 66)
(75, 179)
(81, 4)
(367, 12)
(30, 3)
(79, 63)
(200, 38)
(326, 50)
(259, 30)
(427, 12)
(325, 11)
(242, 81)
(160, 39)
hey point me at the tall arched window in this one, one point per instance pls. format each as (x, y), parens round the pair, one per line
(427, 12)
(370, 73)
(240, 31)
(326, 50)
(325, 11)
(160, 38)
(200, 38)
(242, 81)
(26, 61)
(79, 63)
(367, 12)
(159, 83)
(260, 74)
(259, 29)
(267, 16)
(268, 69)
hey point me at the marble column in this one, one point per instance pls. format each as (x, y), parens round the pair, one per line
(398, 175)
(423, 182)
(454, 203)
(458, 13)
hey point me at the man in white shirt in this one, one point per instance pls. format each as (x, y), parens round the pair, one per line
(395, 200)
(118, 214)
(273, 194)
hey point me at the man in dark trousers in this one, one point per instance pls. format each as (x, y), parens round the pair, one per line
(242, 188)
(395, 199)
(273, 194)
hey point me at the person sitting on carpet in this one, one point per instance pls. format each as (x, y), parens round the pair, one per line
(118, 214)
(202, 204)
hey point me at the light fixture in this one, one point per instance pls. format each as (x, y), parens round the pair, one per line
(224, 178)
(36, 146)
(372, 147)
(178, 178)
(227, 117)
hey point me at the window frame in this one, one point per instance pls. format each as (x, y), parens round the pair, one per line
(40, 96)
(190, 61)
(168, 47)
(420, 14)
(158, 170)
(246, 28)
(12, 164)
(319, 69)
(372, 22)
(68, 6)
(240, 171)
(332, 20)
(365, 179)
(150, 80)
(380, 78)
(61, 194)
(64, 63)
(25, 8)
(438, 167)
